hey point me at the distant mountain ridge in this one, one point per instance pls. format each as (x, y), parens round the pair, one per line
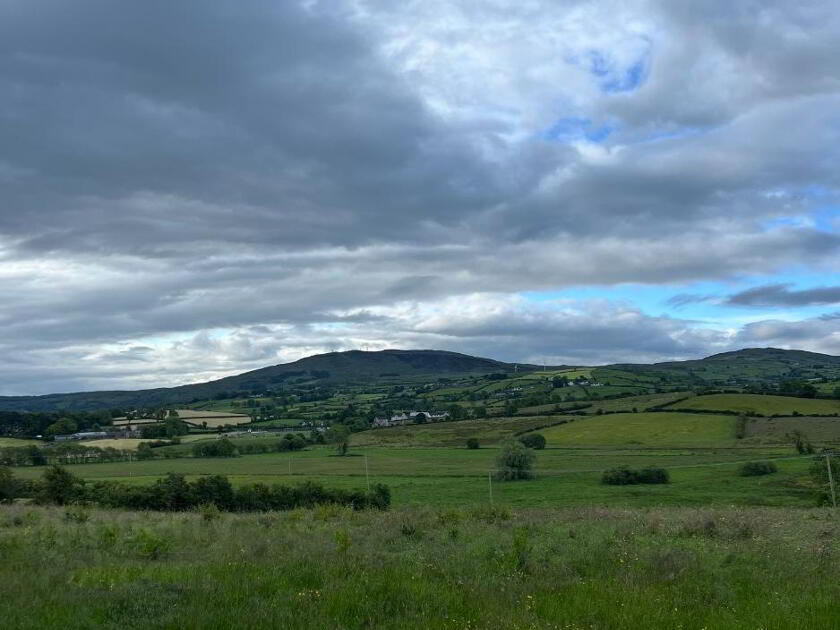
(330, 368)
(356, 366)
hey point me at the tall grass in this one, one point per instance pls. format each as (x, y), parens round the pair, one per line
(331, 567)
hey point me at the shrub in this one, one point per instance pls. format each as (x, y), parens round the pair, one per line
(755, 469)
(60, 486)
(215, 448)
(623, 476)
(472, 443)
(533, 440)
(653, 475)
(515, 461)
(620, 476)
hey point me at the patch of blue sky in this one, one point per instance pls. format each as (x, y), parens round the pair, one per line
(628, 81)
(616, 79)
(576, 128)
(701, 301)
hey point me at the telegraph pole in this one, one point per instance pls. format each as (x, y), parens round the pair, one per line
(367, 475)
(830, 479)
(490, 486)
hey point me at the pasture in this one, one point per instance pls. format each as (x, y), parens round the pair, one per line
(458, 476)
(824, 431)
(487, 431)
(761, 405)
(6, 442)
(652, 429)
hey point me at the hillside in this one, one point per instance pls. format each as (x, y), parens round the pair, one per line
(350, 367)
(369, 371)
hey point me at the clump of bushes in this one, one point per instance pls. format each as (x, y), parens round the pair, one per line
(215, 448)
(533, 440)
(756, 469)
(515, 461)
(624, 476)
(472, 443)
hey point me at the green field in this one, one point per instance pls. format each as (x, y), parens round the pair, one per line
(487, 431)
(658, 429)
(824, 431)
(424, 568)
(762, 405)
(6, 442)
(450, 476)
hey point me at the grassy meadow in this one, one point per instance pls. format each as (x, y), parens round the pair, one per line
(645, 429)
(471, 567)
(762, 405)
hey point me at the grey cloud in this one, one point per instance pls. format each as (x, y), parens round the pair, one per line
(289, 169)
(782, 295)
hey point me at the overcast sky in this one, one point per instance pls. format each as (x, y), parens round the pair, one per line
(193, 189)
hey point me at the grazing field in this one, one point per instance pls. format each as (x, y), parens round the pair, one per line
(471, 567)
(123, 444)
(487, 431)
(762, 405)
(14, 442)
(820, 431)
(454, 476)
(211, 419)
(640, 403)
(658, 429)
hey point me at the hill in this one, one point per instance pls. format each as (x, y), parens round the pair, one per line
(333, 368)
(414, 369)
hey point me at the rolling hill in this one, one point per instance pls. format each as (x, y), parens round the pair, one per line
(396, 367)
(333, 368)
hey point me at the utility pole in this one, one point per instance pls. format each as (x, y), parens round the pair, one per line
(830, 479)
(367, 475)
(490, 486)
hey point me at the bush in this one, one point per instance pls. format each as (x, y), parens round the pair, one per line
(756, 469)
(472, 443)
(215, 448)
(60, 487)
(515, 461)
(533, 440)
(623, 476)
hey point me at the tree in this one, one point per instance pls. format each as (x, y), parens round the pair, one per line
(62, 427)
(420, 418)
(8, 485)
(60, 487)
(480, 411)
(535, 441)
(339, 435)
(800, 442)
(472, 443)
(515, 461)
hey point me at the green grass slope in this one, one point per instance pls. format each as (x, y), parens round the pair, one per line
(654, 429)
(487, 431)
(762, 405)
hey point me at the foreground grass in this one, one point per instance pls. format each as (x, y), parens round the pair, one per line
(421, 568)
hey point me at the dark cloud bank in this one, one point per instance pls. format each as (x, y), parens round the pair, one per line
(192, 189)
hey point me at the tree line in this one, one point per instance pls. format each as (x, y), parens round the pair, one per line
(174, 492)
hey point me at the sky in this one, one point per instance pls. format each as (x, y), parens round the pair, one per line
(193, 189)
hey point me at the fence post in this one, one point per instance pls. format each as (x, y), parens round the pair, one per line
(830, 479)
